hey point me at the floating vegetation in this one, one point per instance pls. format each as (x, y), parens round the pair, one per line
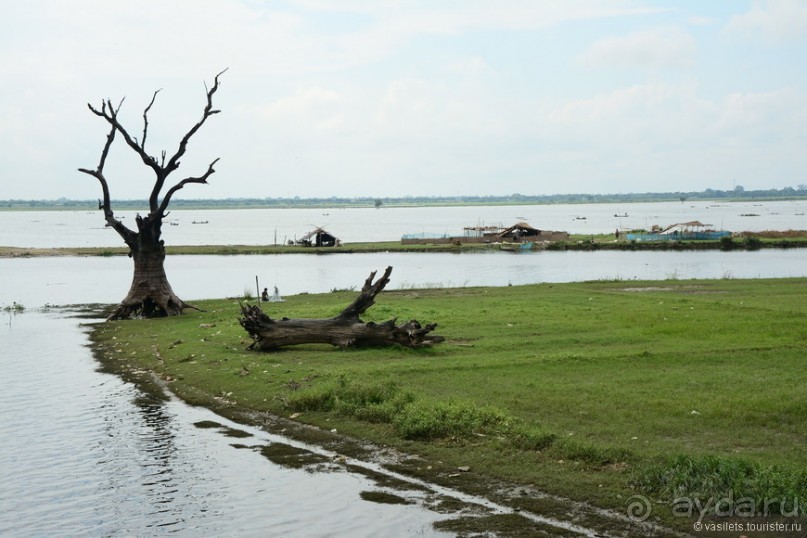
(290, 456)
(14, 307)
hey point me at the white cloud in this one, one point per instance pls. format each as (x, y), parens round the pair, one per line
(663, 114)
(472, 66)
(426, 16)
(312, 108)
(389, 25)
(662, 48)
(672, 133)
(775, 20)
(699, 20)
(438, 97)
(776, 117)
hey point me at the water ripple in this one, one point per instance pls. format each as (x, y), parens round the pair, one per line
(84, 453)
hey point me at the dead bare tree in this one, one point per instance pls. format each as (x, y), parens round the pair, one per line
(343, 330)
(150, 294)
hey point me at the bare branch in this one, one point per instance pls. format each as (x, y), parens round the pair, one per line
(178, 186)
(127, 234)
(146, 119)
(173, 164)
(161, 169)
(110, 114)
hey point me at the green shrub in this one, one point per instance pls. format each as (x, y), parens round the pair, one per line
(438, 420)
(372, 402)
(530, 438)
(590, 453)
(714, 477)
(752, 243)
(317, 398)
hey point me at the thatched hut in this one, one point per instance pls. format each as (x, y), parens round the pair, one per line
(319, 238)
(521, 231)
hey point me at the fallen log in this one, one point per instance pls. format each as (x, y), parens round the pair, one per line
(344, 330)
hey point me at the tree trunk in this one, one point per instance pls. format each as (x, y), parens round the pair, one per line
(344, 330)
(150, 294)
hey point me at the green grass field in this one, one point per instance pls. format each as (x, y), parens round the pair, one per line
(593, 391)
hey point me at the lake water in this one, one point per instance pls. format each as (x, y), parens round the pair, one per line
(45, 229)
(34, 282)
(85, 453)
(39, 281)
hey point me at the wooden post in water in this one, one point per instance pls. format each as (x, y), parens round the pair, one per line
(257, 288)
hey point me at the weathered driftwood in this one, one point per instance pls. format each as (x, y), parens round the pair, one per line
(343, 330)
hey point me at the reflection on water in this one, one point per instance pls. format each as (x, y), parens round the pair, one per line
(84, 453)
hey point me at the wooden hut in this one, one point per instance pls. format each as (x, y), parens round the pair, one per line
(318, 237)
(521, 231)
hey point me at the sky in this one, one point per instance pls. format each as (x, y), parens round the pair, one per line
(393, 98)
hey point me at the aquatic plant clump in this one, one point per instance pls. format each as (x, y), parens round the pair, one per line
(14, 307)
(707, 478)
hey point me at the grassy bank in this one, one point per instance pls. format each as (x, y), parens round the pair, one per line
(749, 241)
(596, 392)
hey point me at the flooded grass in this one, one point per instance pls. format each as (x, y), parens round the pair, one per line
(382, 497)
(290, 456)
(225, 430)
(583, 391)
(510, 525)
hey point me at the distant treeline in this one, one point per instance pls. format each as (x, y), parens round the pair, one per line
(736, 194)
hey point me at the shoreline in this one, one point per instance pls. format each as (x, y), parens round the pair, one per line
(742, 241)
(551, 454)
(769, 195)
(509, 507)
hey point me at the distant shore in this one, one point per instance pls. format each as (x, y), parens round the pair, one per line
(334, 202)
(740, 241)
